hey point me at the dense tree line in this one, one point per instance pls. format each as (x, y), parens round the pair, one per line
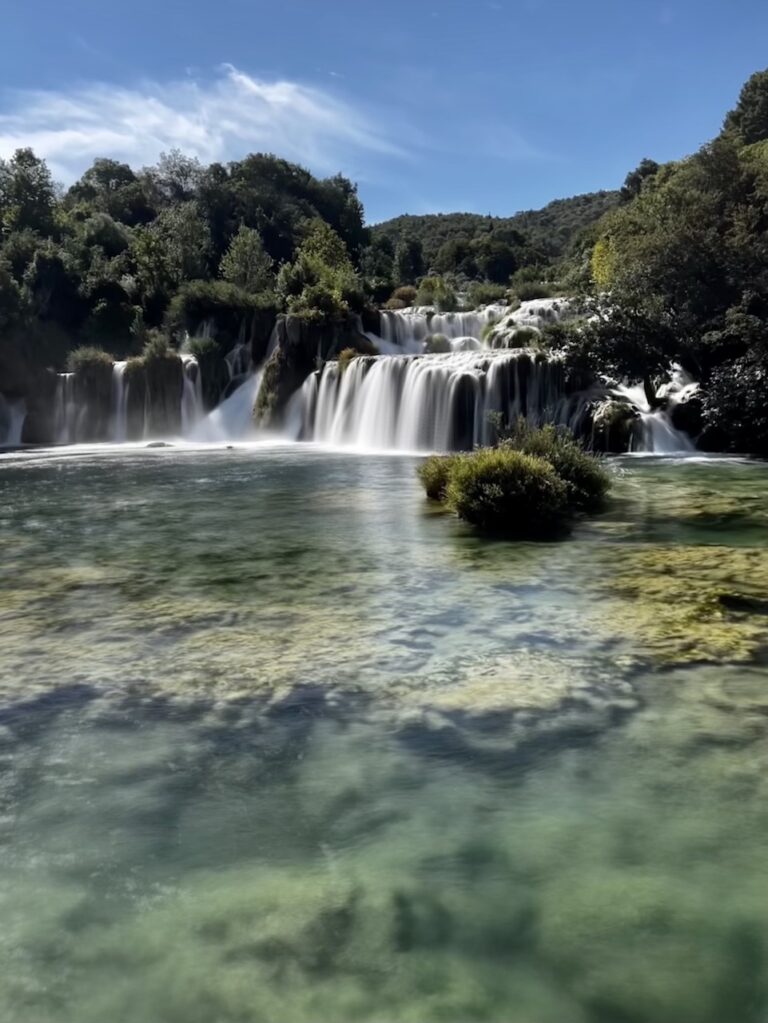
(473, 247)
(121, 253)
(678, 272)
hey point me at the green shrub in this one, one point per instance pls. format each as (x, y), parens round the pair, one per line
(437, 344)
(530, 486)
(437, 292)
(528, 291)
(88, 358)
(345, 357)
(501, 490)
(434, 474)
(394, 304)
(583, 474)
(405, 294)
(202, 347)
(485, 293)
(156, 346)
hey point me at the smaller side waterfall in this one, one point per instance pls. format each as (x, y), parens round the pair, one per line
(654, 432)
(119, 403)
(12, 416)
(233, 418)
(66, 412)
(192, 407)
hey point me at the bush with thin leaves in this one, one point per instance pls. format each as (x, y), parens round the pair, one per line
(434, 474)
(507, 492)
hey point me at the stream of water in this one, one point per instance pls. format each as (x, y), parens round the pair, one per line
(280, 742)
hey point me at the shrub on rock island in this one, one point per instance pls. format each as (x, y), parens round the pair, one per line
(504, 491)
(530, 486)
(586, 479)
(434, 474)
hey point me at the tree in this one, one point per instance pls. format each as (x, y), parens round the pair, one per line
(634, 181)
(27, 195)
(245, 262)
(749, 120)
(409, 261)
(321, 282)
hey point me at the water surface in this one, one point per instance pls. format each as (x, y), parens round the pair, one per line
(279, 742)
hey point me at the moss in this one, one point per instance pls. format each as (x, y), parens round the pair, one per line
(687, 604)
(345, 358)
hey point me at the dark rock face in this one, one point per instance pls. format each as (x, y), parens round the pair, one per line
(302, 346)
(687, 414)
(165, 384)
(93, 393)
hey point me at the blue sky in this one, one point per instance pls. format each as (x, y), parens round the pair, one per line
(431, 105)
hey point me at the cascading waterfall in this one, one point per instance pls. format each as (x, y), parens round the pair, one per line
(434, 402)
(119, 403)
(655, 432)
(12, 416)
(66, 412)
(192, 407)
(233, 418)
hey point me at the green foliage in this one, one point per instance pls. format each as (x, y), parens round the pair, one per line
(634, 181)
(484, 293)
(530, 486)
(245, 263)
(735, 405)
(27, 195)
(434, 474)
(586, 479)
(507, 492)
(435, 291)
(409, 260)
(88, 358)
(749, 121)
(534, 237)
(405, 294)
(156, 347)
(345, 358)
(321, 284)
(528, 291)
(201, 347)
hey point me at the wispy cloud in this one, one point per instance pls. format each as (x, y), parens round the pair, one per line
(218, 119)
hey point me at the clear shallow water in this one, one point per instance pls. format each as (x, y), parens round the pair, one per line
(279, 742)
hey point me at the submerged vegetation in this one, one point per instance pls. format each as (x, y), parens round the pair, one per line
(532, 485)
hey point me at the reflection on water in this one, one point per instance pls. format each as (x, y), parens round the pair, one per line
(279, 742)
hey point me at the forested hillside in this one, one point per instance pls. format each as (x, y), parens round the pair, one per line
(540, 235)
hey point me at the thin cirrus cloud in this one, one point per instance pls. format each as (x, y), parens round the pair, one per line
(221, 119)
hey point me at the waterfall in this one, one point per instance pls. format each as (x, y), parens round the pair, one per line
(238, 360)
(654, 432)
(12, 416)
(434, 402)
(66, 413)
(119, 403)
(192, 407)
(233, 418)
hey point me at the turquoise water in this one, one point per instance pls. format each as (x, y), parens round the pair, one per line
(279, 742)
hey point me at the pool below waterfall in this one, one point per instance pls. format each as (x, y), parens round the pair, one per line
(280, 742)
